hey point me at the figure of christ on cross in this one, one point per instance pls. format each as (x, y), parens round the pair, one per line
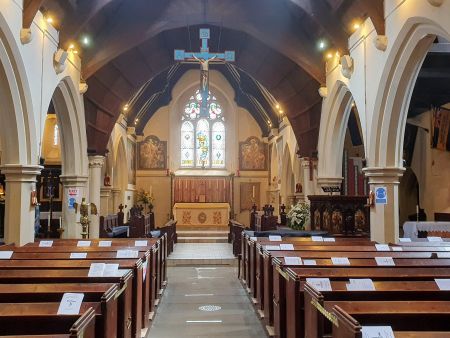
(204, 57)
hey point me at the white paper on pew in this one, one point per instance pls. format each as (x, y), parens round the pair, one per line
(140, 243)
(443, 284)
(320, 284)
(404, 240)
(309, 262)
(286, 246)
(272, 247)
(84, 243)
(127, 253)
(78, 255)
(377, 332)
(6, 254)
(396, 248)
(317, 238)
(292, 261)
(275, 238)
(111, 270)
(254, 238)
(45, 244)
(70, 303)
(360, 284)
(385, 261)
(121, 272)
(144, 270)
(96, 269)
(447, 248)
(329, 239)
(434, 239)
(443, 255)
(382, 247)
(340, 261)
(104, 243)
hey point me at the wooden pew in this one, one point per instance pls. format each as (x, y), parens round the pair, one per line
(265, 282)
(158, 245)
(407, 318)
(170, 228)
(110, 227)
(288, 298)
(104, 294)
(45, 276)
(314, 322)
(152, 255)
(140, 305)
(43, 319)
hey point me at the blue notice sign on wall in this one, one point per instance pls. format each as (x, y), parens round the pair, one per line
(380, 195)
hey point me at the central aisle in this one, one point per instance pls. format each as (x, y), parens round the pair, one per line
(205, 302)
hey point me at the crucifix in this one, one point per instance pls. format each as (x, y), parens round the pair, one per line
(204, 57)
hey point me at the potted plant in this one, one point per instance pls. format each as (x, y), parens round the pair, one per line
(298, 216)
(145, 198)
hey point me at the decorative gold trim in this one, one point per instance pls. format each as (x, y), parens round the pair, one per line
(328, 315)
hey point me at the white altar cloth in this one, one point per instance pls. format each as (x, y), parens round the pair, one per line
(411, 229)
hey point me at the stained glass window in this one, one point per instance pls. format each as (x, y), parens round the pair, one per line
(187, 144)
(218, 145)
(202, 137)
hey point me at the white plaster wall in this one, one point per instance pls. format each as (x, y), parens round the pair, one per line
(432, 168)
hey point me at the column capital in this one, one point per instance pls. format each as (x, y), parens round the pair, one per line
(74, 180)
(20, 172)
(329, 181)
(116, 190)
(96, 161)
(384, 175)
(105, 191)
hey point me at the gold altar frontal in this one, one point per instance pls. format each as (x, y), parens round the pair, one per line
(202, 214)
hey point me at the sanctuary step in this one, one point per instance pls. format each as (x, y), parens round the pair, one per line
(202, 236)
(195, 254)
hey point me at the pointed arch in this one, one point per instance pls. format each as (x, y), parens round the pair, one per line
(287, 176)
(394, 95)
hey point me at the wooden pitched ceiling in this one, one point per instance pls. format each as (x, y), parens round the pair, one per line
(275, 43)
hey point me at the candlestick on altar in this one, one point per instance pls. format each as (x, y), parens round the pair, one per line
(417, 212)
(253, 191)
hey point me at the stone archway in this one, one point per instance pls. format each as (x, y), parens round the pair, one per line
(120, 174)
(18, 139)
(385, 147)
(287, 177)
(74, 160)
(332, 135)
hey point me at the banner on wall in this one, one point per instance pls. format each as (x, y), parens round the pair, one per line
(440, 129)
(72, 196)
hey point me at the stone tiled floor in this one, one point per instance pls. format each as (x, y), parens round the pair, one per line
(189, 288)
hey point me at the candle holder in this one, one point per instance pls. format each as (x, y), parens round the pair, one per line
(60, 231)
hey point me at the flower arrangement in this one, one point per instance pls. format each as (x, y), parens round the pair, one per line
(146, 198)
(298, 216)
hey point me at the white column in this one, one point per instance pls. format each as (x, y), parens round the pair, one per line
(19, 213)
(105, 193)
(116, 199)
(95, 182)
(70, 220)
(308, 184)
(384, 218)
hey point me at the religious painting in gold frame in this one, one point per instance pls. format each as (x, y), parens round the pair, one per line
(152, 154)
(253, 154)
(247, 191)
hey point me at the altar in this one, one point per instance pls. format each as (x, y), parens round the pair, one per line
(201, 214)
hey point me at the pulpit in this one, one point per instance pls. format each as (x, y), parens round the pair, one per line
(340, 215)
(202, 214)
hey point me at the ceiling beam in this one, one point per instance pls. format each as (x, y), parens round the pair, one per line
(30, 8)
(324, 17)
